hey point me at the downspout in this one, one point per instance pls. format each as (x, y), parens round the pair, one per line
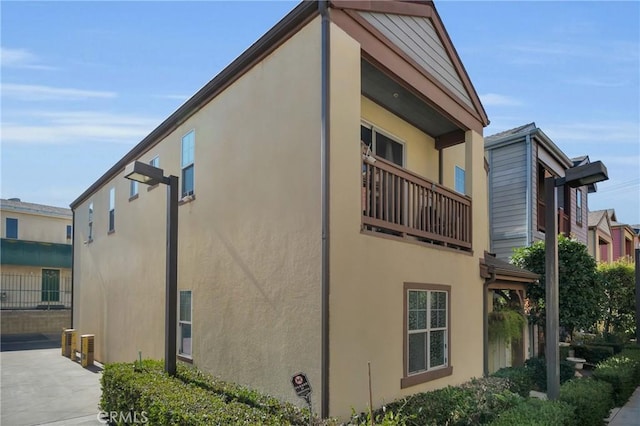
(485, 321)
(528, 191)
(324, 190)
(73, 255)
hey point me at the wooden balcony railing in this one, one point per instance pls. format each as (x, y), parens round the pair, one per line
(564, 225)
(396, 201)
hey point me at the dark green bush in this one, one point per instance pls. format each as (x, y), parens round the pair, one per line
(564, 352)
(593, 353)
(538, 368)
(520, 379)
(472, 403)
(535, 412)
(622, 373)
(593, 399)
(144, 387)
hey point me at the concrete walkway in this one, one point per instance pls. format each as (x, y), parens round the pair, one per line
(629, 415)
(41, 387)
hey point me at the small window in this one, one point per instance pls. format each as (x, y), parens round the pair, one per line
(11, 230)
(184, 323)
(426, 348)
(133, 188)
(188, 145)
(69, 233)
(90, 224)
(579, 206)
(112, 209)
(459, 180)
(382, 145)
(155, 161)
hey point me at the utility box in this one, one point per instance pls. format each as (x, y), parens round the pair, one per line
(86, 349)
(68, 342)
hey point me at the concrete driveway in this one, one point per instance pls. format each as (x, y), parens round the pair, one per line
(41, 387)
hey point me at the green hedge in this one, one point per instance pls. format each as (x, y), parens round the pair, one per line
(535, 412)
(475, 402)
(520, 379)
(594, 354)
(538, 369)
(593, 399)
(622, 372)
(190, 398)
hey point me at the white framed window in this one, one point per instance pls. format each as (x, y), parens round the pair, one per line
(69, 233)
(459, 176)
(188, 147)
(90, 223)
(383, 144)
(426, 334)
(11, 228)
(133, 189)
(155, 161)
(184, 324)
(112, 209)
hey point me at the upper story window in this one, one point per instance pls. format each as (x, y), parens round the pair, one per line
(579, 206)
(184, 323)
(69, 233)
(382, 145)
(155, 162)
(188, 146)
(459, 180)
(90, 224)
(11, 228)
(112, 209)
(133, 189)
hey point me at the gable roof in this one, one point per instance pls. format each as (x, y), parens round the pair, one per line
(415, 31)
(595, 217)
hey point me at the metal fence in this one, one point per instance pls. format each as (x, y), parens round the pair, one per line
(46, 291)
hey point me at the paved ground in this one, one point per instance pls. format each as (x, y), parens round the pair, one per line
(41, 387)
(629, 415)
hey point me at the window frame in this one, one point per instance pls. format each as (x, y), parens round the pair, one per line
(15, 221)
(155, 162)
(134, 189)
(112, 210)
(456, 170)
(375, 129)
(69, 233)
(579, 210)
(412, 379)
(90, 223)
(190, 136)
(185, 322)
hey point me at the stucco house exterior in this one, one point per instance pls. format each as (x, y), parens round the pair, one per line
(519, 160)
(333, 214)
(36, 267)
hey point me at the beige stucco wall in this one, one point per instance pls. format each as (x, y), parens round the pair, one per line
(37, 227)
(368, 272)
(249, 244)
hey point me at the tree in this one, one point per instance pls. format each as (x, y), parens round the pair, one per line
(618, 281)
(580, 294)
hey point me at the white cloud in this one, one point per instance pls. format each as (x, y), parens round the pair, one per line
(494, 99)
(73, 127)
(28, 92)
(21, 58)
(619, 132)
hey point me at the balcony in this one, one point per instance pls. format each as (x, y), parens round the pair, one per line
(564, 224)
(398, 202)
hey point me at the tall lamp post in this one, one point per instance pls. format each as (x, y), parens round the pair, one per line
(149, 175)
(574, 177)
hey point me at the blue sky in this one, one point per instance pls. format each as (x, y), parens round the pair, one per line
(83, 82)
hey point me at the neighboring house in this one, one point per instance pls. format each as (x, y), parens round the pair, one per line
(600, 239)
(36, 266)
(519, 160)
(296, 251)
(624, 239)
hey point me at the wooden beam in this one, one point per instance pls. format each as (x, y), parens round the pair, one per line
(449, 139)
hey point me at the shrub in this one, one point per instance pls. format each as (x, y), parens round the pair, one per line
(593, 353)
(144, 387)
(622, 373)
(520, 379)
(592, 399)
(535, 412)
(538, 369)
(471, 403)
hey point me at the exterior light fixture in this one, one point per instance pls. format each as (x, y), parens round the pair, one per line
(150, 175)
(574, 177)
